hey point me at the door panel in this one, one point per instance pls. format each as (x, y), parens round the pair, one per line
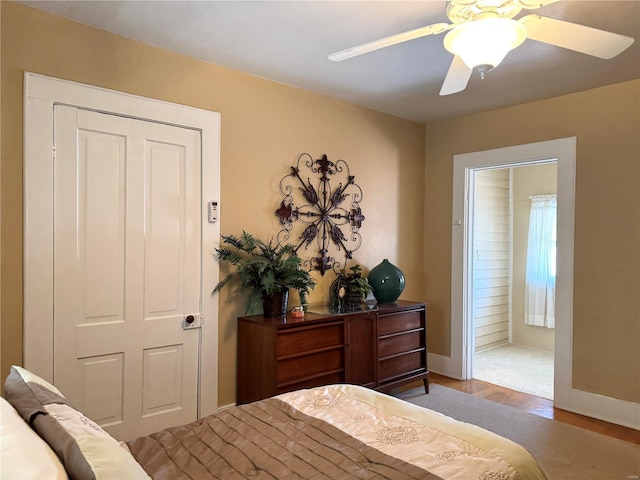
(102, 379)
(101, 190)
(127, 269)
(162, 380)
(164, 229)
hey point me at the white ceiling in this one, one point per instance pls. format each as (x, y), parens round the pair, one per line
(288, 42)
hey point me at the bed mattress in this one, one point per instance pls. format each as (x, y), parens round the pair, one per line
(333, 432)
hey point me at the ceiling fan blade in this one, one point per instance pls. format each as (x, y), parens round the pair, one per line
(573, 36)
(457, 77)
(388, 41)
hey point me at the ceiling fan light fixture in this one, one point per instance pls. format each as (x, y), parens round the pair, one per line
(486, 41)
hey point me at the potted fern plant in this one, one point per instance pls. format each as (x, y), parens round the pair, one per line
(264, 271)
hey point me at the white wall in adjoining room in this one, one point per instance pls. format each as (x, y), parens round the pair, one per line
(491, 258)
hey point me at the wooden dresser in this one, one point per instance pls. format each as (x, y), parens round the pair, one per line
(379, 349)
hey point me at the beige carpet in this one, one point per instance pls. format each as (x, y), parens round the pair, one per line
(564, 451)
(516, 367)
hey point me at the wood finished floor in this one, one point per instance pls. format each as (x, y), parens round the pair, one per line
(536, 405)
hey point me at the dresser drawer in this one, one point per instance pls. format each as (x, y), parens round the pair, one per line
(328, 379)
(400, 322)
(403, 342)
(307, 339)
(301, 367)
(401, 365)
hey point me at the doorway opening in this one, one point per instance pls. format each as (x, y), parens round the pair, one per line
(504, 349)
(563, 152)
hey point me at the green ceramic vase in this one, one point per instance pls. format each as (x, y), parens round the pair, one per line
(387, 282)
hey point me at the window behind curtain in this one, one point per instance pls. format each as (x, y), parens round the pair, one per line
(540, 289)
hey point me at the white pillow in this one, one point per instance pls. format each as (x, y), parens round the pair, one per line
(23, 454)
(27, 376)
(105, 456)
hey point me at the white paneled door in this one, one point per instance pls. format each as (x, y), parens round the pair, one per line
(127, 269)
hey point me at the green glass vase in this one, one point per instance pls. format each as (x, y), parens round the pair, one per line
(387, 282)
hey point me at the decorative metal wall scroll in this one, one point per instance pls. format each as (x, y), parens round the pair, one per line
(324, 214)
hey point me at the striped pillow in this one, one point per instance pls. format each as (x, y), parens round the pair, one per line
(85, 449)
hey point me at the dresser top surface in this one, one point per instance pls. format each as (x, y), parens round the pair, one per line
(311, 317)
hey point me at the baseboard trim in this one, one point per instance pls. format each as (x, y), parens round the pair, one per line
(608, 409)
(441, 365)
(226, 407)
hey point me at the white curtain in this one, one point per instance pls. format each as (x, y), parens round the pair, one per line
(540, 293)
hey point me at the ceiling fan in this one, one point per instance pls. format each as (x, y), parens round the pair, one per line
(482, 32)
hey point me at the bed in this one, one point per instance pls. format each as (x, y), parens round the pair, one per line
(330, 432)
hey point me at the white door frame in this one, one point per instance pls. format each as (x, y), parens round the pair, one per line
(564, 152)
(565, 396)
(41, 93)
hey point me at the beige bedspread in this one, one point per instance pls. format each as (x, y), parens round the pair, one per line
(334, 432)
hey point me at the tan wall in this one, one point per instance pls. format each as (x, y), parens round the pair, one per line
(527, 181)
(606, 322)
(265, 126)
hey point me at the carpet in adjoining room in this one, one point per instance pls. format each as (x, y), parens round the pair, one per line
(564, 451)
(516, 367)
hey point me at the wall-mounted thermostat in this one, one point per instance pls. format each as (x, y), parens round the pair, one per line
(212, 208)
